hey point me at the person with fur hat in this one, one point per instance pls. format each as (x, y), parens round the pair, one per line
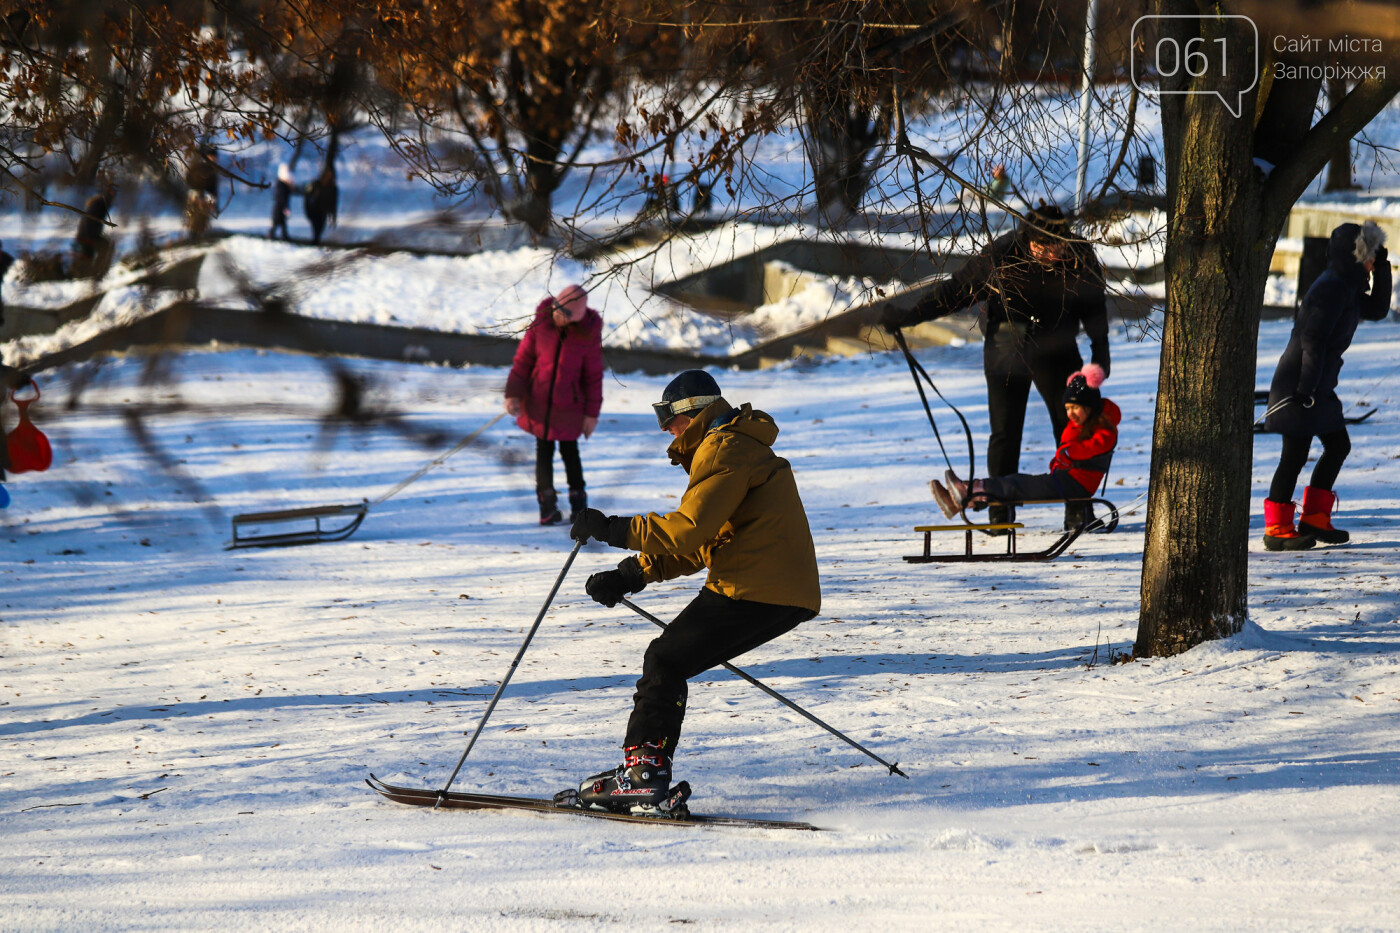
(1086, 446)
(741, 518)
(1303, 401)
(555, 392)
(1041, 284)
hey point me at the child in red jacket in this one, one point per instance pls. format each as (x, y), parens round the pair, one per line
(1086, 446)
(555, 391)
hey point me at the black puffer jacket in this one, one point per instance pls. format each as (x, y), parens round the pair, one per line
(1326, 322)
(1034, 311)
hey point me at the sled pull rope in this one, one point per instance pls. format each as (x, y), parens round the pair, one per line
(438, 460)
(916, 370)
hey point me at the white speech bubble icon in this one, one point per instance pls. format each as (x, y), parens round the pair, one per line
(1197, 57)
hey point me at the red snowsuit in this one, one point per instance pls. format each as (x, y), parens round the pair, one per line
(558, 375)
(1087, 459)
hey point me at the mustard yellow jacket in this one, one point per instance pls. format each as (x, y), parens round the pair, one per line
(740, 516)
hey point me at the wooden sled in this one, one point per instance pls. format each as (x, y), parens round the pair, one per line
(1098, 524)
(319, 518)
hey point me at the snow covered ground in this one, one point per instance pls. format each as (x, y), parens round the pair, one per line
(184, 730)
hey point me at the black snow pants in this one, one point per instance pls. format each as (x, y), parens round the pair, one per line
(711, 630)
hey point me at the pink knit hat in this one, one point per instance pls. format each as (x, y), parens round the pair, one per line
(574, 300)
(1083, 387)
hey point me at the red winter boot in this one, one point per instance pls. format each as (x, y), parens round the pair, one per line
(1316, 519)
(1278, 529)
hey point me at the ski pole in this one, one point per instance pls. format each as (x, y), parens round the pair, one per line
(442, 794)
(894, 768)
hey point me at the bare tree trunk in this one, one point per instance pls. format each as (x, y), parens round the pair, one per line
(1195, 563)
(1339, 166)
(1225, 215)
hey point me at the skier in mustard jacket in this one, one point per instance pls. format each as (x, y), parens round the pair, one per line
(742, 518)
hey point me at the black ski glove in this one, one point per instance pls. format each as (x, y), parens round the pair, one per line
(610, 586)
(609, 529)
(894, 319)
(1098, 355)
(1382, 256)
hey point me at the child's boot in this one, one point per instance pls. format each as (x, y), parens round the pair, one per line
(1316, 519)
(549, 507)
(1279, 534)
(578, 501)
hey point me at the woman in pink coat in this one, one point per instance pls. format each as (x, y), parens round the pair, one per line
(555, 391)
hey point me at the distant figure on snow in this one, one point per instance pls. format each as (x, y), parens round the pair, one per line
(1041, 283)
(92, 249)
(555, 392)
(6, 260)
(321, 200)
(202, 198)
(1303, 401)
(281, 202)
(1086, 446)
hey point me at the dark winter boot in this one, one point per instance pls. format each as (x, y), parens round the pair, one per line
(1077, 513)
(1279, 534)
(578, 501)
(1000, 515)
(1316, 519)
(549, 507)
(640, 784)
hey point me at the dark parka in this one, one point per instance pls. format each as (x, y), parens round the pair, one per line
(1033, 311)
(1322, 331)
(740, 516)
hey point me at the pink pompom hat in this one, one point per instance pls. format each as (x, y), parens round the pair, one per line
(1083, 387)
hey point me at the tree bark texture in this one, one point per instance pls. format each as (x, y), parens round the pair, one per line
(1195, 561)
(1224, 218)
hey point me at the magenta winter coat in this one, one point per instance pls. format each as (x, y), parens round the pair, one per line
(558, 375)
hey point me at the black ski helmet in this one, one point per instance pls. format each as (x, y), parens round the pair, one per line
(692, 390)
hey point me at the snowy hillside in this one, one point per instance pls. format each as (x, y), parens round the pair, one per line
(186, 729)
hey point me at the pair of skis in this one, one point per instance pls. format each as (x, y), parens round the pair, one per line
(677, 815)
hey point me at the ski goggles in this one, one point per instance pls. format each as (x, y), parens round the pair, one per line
(666, 412)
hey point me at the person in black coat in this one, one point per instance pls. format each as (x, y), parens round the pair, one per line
(6, 260)
(1041, 283)
(281, 202)
(322, 197)
(1303, 401)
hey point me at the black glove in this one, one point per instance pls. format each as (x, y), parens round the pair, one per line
(609, 529)
(610, 586)
(1382, 257)
(894, 319)
(590, 523)
(1098, 355)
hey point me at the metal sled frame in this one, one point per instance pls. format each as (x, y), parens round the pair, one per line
(320, 516)
(1097, 524)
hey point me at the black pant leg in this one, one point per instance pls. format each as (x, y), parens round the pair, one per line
(1291, 461)
(1022, 487)
(544, 465)
(573, 466)
(1335, 447)
(712, 629)
(1006, 409)
(1051, 373)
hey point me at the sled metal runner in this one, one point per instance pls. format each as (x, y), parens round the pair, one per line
(1099, 525)
(347, 518)
(455, 800)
